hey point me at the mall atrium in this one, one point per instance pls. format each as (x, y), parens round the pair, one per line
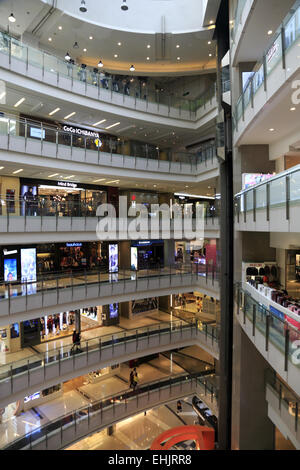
(149, 225)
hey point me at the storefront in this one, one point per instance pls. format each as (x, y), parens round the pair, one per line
(29, 263)
(147, 254)
(189, 205)
(61, 198)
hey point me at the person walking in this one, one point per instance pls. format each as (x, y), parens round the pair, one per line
(135, 379)
(131, 381)
(76, 341)
(179, 407)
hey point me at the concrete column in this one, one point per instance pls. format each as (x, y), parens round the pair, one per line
(251, 427)
(169, 252)
(77, 321)
(164, 302)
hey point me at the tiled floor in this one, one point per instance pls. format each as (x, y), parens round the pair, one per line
(138, 432)
(13, 427)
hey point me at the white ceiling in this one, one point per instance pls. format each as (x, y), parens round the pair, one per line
(36, 22)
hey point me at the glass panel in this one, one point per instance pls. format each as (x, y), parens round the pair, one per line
(290, 32)
(35, 57)
(249, 200)
(258, 79)
(278, 191)
(295, 186)
(274, 54)
(261, 196)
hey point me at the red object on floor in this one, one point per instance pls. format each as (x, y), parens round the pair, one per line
(203, 436)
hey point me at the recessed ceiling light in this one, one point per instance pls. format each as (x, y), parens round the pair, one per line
(211, 22)
(91, 37)
(50, 39)
(84, 50)
(210, 55)
(148, 46)
(69, 115)
(270, 32)
(1, 167)
(209, 42)
(17, 171)
(177, 46)
(54, 174)
(19, 102)
(178, 58)
(271, 130)
(119, 44)
(115, 56)
(115, 181)
(293, 109)
(11, 18)
(99, 122)
(148, 58)
(2, 94)
(101, 179)
(54, 111)
(113, 125)
(60, 28)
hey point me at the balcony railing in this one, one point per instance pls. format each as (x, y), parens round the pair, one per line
(56, 143)
(272, 326)
(72, 426)
(285, 37)
(59, 69)
(280, 191)
(240, 5)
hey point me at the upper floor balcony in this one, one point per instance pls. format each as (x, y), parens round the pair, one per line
(270, 206)
(272, 77)
(87, 83)
(60, 150)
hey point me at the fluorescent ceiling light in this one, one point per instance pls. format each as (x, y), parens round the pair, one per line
(2, 94)
(17, 171)
(193, 195)
(54, 111)
(68, 177)
(1, 167)
(115, 181)
(54, 174)
(99, 122)
(101, 179)
(69, 115)
(113, 125)
(19, 102)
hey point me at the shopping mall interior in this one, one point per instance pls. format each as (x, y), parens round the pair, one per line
(149, 300)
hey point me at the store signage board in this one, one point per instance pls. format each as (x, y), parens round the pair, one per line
(67, 184)
(79, 131)
(77, 244)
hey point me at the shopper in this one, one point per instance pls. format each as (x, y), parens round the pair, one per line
(76, 341)
(131, 381)
(29, 199)
(135, 379)
(179, 407)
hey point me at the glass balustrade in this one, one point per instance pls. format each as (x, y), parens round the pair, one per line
(290, 30)
(133, 94)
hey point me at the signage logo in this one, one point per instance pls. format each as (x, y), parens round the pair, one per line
(69, 245)
(85, 132)
(66, 184)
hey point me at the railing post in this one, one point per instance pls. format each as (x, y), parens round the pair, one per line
(268, 317)
(283, 47)
(296, 416)
(137, 340)
(280, 396)
(254, 205)
(286, 349)
(287, 197)
(253, 319)
(265, 72)
(11, 380)
(268, 202)
(100, 352)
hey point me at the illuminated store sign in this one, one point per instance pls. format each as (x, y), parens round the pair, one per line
(78, 131)
(73, 244)
(67, 184)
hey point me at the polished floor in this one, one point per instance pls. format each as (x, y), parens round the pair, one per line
(78, 392)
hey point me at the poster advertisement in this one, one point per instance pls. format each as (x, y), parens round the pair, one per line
(251, 179)
(134, 258)
(113, 258)
(10, 270)
(28, 268)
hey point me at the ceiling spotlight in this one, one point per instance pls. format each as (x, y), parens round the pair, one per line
(124, 7)
(60, 28)
(67, 56)
(83, 8)
(11, 18)
(270, 32)
(115, 56)
(209, 42)
(75, 45)
(84, 50)
(132, 68)
(100, 65)
(91, 38)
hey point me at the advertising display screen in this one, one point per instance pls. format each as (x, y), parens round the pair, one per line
(113, 310)
(251, 179)
(10, 270)
(28, 264)
(113, 258)
(37, 133)
(134, 258)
